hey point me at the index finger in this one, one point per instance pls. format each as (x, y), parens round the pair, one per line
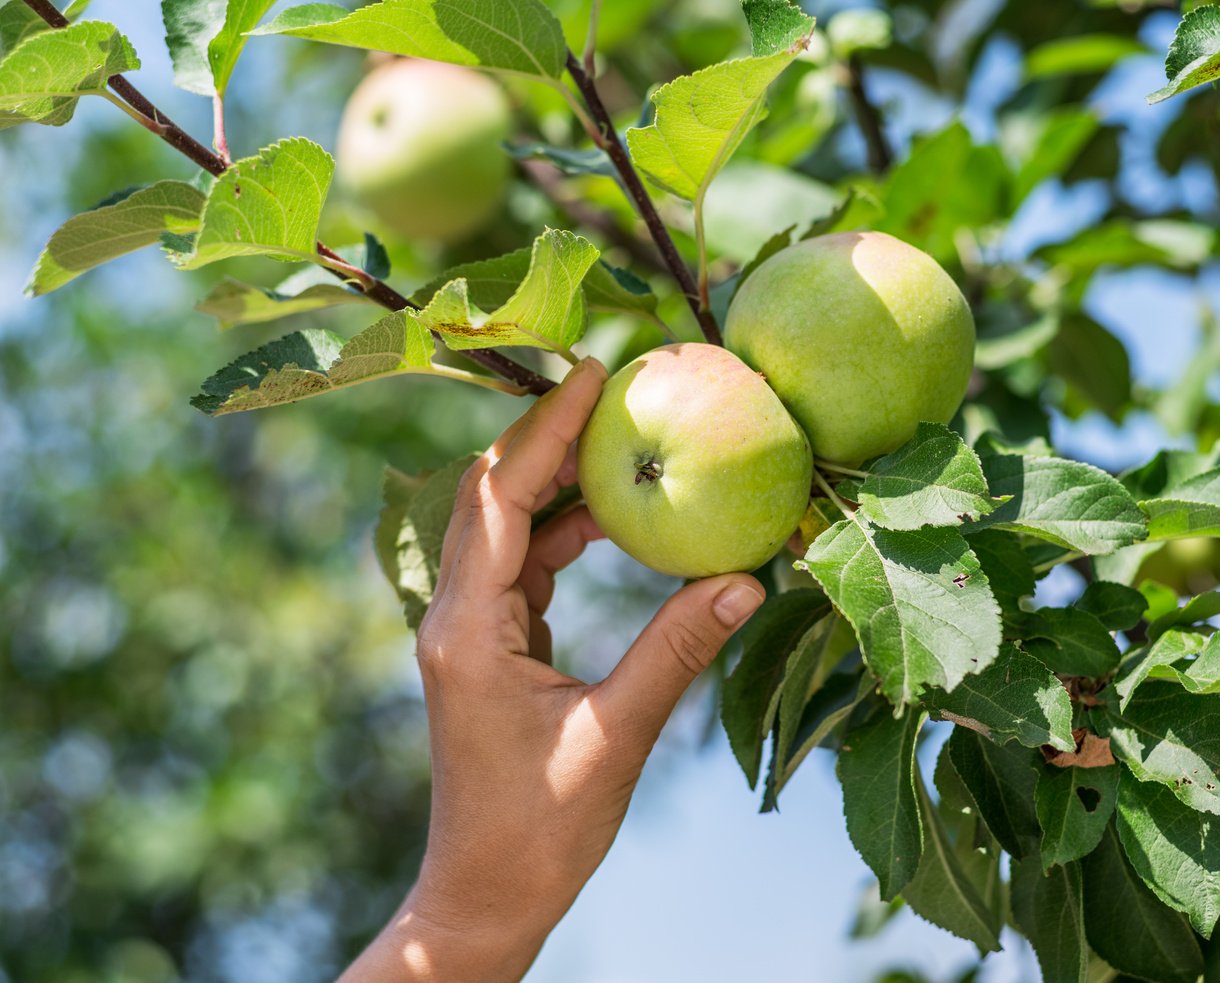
(496, 531)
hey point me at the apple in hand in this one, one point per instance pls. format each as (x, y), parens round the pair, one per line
(691, 464)
(862, 335)
(419, 147)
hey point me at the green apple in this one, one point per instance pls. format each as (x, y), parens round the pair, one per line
(862, 335)
(1190, 566)
(692, 465)
(419, 147)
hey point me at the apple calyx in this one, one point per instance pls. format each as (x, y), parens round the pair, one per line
(649, 470)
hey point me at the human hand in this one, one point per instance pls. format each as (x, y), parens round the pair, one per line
(532, 769)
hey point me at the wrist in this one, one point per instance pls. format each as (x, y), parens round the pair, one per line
(427, 943)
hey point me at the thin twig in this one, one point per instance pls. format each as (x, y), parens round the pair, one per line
(375, 289)
(880, 153)
(590, 58)
(607, 138)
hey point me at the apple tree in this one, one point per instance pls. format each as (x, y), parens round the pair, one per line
(1075, 797)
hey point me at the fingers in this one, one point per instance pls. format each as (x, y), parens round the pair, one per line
(466, 489)
(678, 644)
(553, 547)
(495, 532)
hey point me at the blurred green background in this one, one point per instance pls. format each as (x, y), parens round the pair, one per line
(213, 759)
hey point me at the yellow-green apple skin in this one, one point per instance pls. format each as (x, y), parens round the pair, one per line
(419, 147)
(691, 464)
(862, 335)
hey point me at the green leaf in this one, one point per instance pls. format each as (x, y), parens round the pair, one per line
(1170, 647)
(310, 363)
(1175, 849)
(975, 848)
(828, 708)
(268, 205)
(18, 22)
(945, 184)
(571, 161)
(813, 660)
(1169, 736)
(1116, 606)
(941, 891)
(1051, 140)
(1094, 362)
(1165, 242)
(226, 46)
(520, 37)
(618, 291)
(1001, 780)
(877, 770)
(1191, 508)
(1071, 504)
(96, 237)
(933, 479)
(749, 703)
(1202, 676)
(547, 310)
(1006, 335)
(919, 602)
(1194, 54)
(776, 25)
(1128, 926)
(1016, 697)
(42, 78)
(189, 26)
(1008, 569)
(1194, 612)
(1074, 805)
(1070, 641)
(1049, 909)
(411, 532)
(233, 302)
(701, 119)
(1168, 469)
(1080, 53)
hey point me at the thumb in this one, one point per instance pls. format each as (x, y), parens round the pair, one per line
(678, 644)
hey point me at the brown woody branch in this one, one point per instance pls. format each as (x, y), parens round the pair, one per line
(607, 138)
(377, 290)
(868, 117)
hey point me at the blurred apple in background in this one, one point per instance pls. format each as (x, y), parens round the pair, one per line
(419, 147)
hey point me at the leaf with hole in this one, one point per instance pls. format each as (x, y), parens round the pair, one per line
(1073, 806)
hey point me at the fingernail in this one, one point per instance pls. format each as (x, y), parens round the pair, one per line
(590, 364)
(736, 603)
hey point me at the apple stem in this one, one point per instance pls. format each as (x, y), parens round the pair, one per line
(133, 102)
(850, 472)
(829, 492)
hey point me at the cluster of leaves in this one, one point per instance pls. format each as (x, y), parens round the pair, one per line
(1085, 736)
(1097, 769)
